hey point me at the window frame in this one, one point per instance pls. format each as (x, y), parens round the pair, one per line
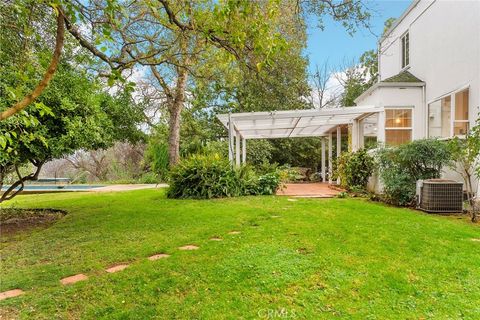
(453, 108)
(405, 50)
(411, 108)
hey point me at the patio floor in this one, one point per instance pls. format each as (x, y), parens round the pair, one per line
(307, 190)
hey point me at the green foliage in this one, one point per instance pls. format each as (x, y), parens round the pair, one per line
(267, 184)
(354, 169)
(400, 167)
(204, 177)
(259, 152)
(211, 176)
(465, 154)
(157, 156)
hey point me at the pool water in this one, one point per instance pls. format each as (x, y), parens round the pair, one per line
(72, 187)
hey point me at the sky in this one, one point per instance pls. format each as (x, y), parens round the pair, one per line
(335, 45)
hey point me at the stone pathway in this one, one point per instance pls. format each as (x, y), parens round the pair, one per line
(74, 279)
(307, 190)
(189, 247)
(158, 256)
(116, 268)
(11, 294)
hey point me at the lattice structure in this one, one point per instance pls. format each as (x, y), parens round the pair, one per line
(441, 196)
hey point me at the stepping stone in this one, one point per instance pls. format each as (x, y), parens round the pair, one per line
(188, 247)
(11, 294)
(275, 217)
(74, 279)
(234, 232)
(117, 268)
(292, 200)
(216, 239)
(158, 256)
(475, 239)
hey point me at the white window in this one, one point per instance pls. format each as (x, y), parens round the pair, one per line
(448, 116)
(405, 50)
(398, 126)
(460, 122)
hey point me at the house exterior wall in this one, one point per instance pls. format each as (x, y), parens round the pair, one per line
(444, 38)
(401, 97)
(444, 52)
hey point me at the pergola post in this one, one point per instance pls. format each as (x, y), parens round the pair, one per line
(381, 127)
(237, 148)
(244, 150)
(361, 133)
(324, 178)
(230, 138)
(330, 162)
(355, 129)
(339, 147)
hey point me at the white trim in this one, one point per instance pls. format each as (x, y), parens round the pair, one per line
(403, 51)
(450, 94)
(293, 123)
(411, 108)
(388, 85)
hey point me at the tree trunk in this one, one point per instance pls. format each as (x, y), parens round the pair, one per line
(175, 110)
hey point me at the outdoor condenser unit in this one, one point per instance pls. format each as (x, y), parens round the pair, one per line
(440, 196)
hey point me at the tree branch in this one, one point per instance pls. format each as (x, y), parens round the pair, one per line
(27, 100)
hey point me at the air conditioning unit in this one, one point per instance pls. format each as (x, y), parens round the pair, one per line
(440, 196)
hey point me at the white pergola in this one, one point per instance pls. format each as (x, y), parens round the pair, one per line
(302, 123)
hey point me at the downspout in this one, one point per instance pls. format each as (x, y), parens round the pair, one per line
(425, 110)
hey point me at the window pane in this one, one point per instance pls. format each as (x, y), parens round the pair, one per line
(398, 118)
(395, 137)
(439, 118)
(460, 128)
(407, 50)
(461, 105)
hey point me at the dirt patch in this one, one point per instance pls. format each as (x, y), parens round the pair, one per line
(14, 220)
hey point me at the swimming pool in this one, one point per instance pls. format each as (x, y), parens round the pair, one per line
(69, 187)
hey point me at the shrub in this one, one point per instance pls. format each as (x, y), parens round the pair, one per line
(400, 167)
(354, 169)
(211, 176)
(157, 156)
(267, 184)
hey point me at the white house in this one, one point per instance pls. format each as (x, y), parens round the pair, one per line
(429, 86)
(429, 67)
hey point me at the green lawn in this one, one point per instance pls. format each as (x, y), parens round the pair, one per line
(320, 259)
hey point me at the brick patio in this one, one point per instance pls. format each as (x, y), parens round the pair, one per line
(314, 190)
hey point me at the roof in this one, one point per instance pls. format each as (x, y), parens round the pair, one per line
(399, 20)
(294, 123)
(402, 80)
(403, 77)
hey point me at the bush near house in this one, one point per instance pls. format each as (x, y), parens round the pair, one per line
(354, 169)
(211, 176)
(400, 167)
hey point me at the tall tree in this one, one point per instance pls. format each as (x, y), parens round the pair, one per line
(172, 38)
